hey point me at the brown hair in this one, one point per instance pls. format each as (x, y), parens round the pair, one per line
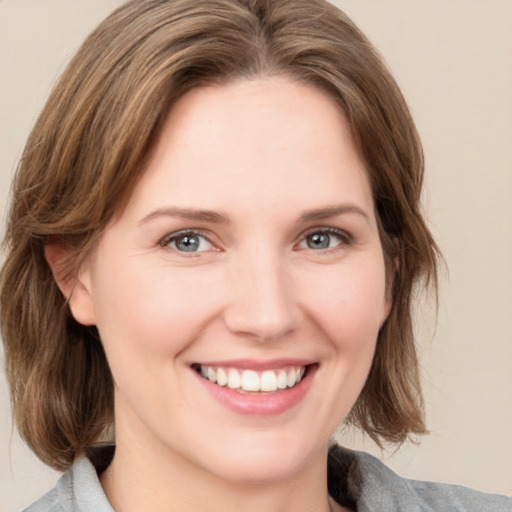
(90, 146)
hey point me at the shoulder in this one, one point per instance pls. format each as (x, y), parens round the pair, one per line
(459, 498)
(383, 486)
(78, 490)
(375, 487)
(48, 503)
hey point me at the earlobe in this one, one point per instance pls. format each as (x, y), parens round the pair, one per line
(74, 284)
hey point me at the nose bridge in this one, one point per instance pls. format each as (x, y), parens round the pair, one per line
(261, 299)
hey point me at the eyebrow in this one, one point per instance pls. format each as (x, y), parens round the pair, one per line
(333, 211)
(219, 218)
(189, 214)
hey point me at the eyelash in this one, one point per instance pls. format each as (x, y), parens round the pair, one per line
(343, 237)
(172, 237)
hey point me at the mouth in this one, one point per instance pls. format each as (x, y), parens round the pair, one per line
(257, 388)
(252, 381)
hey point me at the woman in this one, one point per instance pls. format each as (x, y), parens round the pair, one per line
(213, 241)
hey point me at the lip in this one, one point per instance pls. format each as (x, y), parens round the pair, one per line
(258, 365)
(261, 404)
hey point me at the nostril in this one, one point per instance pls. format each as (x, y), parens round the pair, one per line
(263, 326)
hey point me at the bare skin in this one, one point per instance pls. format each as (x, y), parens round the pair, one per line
(250, 240)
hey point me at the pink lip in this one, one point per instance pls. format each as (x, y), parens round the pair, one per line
(259, 404)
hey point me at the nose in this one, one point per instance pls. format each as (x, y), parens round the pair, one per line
(261, 301)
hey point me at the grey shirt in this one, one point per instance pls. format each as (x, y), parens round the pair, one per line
(355, 479)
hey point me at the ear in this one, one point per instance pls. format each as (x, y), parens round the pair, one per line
(392, 269)
(74, 284)
(386, 308)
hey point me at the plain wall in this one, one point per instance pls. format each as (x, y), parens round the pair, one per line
(453, 62)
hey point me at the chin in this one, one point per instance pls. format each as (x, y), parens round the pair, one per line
(261, 461)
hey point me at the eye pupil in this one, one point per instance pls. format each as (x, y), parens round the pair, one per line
(318, 241)
(187, 243)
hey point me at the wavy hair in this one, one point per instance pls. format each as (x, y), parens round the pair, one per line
(91, 144)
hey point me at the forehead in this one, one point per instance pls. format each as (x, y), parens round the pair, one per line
(270, 139)
(242, 114)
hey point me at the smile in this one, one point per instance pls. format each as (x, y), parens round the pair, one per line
(244, 380)
(261, 388)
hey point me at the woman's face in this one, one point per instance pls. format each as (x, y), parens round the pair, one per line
(248, 255)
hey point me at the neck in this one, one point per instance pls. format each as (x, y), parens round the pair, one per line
(135, 480)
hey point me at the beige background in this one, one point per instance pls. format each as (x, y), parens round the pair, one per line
(453, 61)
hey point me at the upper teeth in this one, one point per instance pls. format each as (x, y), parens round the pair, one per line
(250, 380)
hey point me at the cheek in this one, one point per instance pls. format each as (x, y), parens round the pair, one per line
(150, 312)
(349, 303)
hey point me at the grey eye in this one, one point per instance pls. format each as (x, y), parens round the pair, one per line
(188, 242)
(321, 240)
(318, 240)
